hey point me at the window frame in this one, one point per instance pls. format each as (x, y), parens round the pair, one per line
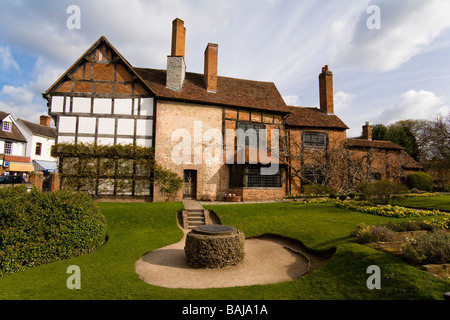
(38, 147)
(314, 144)
(7, 126)
(249, 176)
(7, 150)
(314, 172)
(245, 125)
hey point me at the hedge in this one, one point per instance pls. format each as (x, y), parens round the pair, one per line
(420, 180)
(38, 228)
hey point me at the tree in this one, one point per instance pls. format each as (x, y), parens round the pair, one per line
(401, 133)
(380, 132)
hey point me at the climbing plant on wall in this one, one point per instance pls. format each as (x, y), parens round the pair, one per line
(110, 170)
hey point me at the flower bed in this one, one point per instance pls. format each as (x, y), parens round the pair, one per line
(386, 211)
(231, 197)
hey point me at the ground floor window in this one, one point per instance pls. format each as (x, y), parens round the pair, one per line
(249, 176)
(313, 175)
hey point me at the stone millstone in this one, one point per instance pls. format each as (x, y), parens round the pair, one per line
(214, 246)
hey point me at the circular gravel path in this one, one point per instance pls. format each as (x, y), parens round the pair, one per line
(267, 260)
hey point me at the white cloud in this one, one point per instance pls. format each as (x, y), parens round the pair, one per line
(292, 100)
(414, 105)
(343, 101)
(407, 29)
(7, 60)
(19, 95)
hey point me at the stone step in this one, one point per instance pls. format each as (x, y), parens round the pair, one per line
(194, 214)
(193, 224)
(202, 218)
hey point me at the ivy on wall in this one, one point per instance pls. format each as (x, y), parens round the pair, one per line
(112, 170)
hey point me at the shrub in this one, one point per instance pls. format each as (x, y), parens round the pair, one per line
(332, 196)
(342, 197)
(419, 180)
(367, 234)
(38, 228)
(383, 191)
(432, 247)
(169, 182)
(317, 189)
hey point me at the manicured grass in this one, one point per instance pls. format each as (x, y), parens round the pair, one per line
(136, 228)
(441, 203)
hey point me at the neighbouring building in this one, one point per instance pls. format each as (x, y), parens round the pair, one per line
(191, 121)
(40, 138)
(13, 158)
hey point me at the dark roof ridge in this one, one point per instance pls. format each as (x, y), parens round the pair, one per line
(39, 129)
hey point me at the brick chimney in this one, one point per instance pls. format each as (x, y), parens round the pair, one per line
(45, 120)
(210, 73)
(367, 131)
(176, 67)
(326, 90)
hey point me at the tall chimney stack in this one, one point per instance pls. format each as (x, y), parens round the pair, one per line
(178, 38)
(210, 71)
(176, 67)
(326, 90)
(367, 131)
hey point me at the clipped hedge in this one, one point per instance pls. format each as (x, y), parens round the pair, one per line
(38, 228)
(419, 180)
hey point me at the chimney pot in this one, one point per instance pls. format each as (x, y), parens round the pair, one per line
(210, 71)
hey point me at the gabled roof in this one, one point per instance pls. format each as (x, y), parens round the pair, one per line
(14, 134)
(313, 118)
(230, 91)
(99, 42)
(38, 129)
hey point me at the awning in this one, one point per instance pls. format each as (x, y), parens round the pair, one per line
(19, 167)
(46, 166)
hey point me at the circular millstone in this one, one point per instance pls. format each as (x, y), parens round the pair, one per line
(215, 230)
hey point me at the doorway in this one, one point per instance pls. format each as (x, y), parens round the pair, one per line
(190, 184)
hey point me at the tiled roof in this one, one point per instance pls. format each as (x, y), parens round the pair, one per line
(14, 134)
(230, 91)
(408, 162)
(38, 129)
(313, 117)
(378, 144)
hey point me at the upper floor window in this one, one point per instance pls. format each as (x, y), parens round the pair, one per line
(38, 149)
(251, 134)
(314, 139)
(7, 147)
(6, 126)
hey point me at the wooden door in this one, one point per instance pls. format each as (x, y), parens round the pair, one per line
(190, 184)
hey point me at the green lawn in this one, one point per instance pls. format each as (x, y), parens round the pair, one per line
(441, 203)
(136, 228)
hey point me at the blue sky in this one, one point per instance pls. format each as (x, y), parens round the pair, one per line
(399, 71)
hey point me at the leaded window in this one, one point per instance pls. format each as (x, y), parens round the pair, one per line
(250, 176)
(314, 139)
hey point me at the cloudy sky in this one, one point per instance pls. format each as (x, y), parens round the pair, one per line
(390, 58)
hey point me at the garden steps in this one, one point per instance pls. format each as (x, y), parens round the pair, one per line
(194, 215)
